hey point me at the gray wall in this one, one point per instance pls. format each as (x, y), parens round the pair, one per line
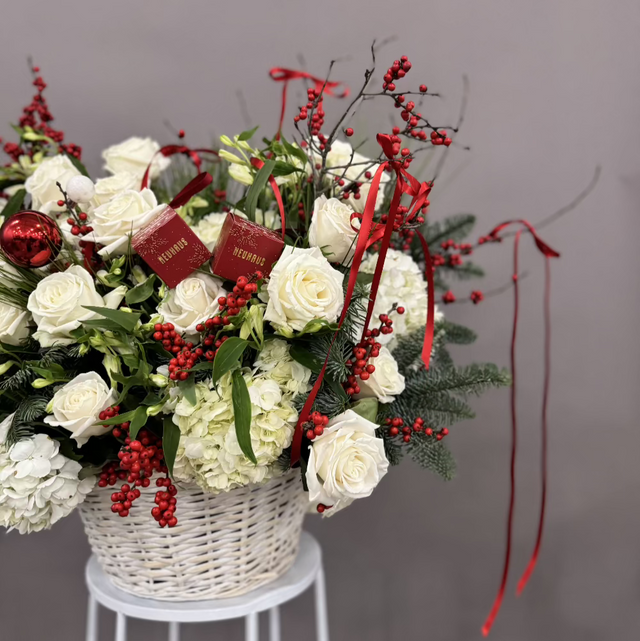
(555, 91)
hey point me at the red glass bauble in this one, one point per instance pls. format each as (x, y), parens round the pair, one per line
(30, 239)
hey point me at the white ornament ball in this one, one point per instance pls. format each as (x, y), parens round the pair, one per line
(80, 189)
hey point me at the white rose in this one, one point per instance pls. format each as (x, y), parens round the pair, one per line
(57, 304)
(241, 173)
(121, 217)
(14, 324)
(107, 188)
(134, 155)
(303, 287)
(41, 185)
(331, 229)
(193, 301)
(77, 405)
(346, 462)
(81, 189)
(385, 382)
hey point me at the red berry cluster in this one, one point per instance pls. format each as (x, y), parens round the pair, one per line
(448, 297)
(440, 138)
(316, 424)
(397, 427)
(397, 70)
(476, 296)
(219, 196)
(314, 104)
(78, 222)
(164, 512)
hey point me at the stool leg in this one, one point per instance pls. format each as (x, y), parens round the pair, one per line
(92, 619)
(274, 624)
(174, 631)
(121, 627)
(322, 617)
(252, 627)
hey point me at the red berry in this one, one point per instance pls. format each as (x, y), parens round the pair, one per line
(423, 88)
(348, 131)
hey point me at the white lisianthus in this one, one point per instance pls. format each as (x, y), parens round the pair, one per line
(386, 382)
(41, 185)
(270, 219)
(402, 282)
(345, 463)
(121, 217)
(133, 156)
(303, 287)
(38, 485)
(107, 188)
(275, 362)
(81, 189)
(76, 406)
(331, 229)
(14, 324)
(57, 304)
(241, 173)
(191, 302)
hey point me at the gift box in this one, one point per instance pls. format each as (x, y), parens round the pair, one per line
(243, 248)
(170, 247)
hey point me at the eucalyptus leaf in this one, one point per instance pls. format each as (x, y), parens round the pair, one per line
(242, 414)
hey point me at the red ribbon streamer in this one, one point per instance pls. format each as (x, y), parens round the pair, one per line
(280, 74)
(548, 253)
(172, 150)
(258, 164)
(192, 188)
(405, 184)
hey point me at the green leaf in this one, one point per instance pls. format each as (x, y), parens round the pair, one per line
(127, 320)
(294, 151)
(170, 441)
(140, 292)
(227, 356)
(283, 168)
(120, 418)
(138, 421)
(367, 408)
(256, 188)
(306, 358)
(242, 414)
(78, 165)
(188, 389)
(14, 204)
(102, 323)
(245, 135)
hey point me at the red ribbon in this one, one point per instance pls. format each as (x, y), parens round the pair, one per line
(172, 150)
(548, 253)
(405, 184)
(258, 164)
(192, 188)
(280, 74)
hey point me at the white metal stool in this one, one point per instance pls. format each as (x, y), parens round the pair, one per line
(306, 570)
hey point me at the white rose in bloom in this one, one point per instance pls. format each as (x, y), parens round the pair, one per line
(77, 405)
(107, 188)
(385, 382)
(121, 217)
(331, 229)
(81, 189)
(57, 304)
(41, 185)
(14, 324)
(303, 287)
(241, 173)
(133, 156)
(346, 462)
(193, 301)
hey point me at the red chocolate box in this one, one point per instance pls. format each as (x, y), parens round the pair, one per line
(170, 248)
(243, 248)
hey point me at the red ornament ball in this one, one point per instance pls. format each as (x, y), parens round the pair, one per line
(30, 239)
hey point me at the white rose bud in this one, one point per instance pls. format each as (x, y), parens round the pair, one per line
(331, 229)
(385, 382)
(80, 189)
(133, 156)
(345, 463)
(303, 287)
(77, 405)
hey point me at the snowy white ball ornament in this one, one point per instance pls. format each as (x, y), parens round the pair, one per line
(80, 189)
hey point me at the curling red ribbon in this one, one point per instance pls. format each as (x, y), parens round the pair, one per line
(280, 74)
(258, 164)
(172, 150)
(405, 184)
(548, 253)
(192, 188)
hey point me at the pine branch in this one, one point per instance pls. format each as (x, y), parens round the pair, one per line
(466, 271)
(439, 409)
(455, 228)
(432, 455)
(471, 379)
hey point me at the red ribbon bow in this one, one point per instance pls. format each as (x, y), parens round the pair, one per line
(369, 233)
(280, 74)
(172, 150)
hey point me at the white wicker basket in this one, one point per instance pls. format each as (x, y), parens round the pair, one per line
(224, 545)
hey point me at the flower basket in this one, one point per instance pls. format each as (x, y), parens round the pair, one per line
(225, 545)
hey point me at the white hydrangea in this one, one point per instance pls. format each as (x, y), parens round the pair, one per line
(275, 362)
(38, 485)
(403, 283)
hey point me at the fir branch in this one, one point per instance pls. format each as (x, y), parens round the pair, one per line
(433, 455)
(466, 271)
(438, 409)
(455, 228)
(472, 379)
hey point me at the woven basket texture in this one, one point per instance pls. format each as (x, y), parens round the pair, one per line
(223, 546)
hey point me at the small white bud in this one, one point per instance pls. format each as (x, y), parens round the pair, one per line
(80, 189)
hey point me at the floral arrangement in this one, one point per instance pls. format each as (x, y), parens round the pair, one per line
(221, 316)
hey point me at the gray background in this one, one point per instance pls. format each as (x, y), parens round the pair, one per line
(555, 91)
